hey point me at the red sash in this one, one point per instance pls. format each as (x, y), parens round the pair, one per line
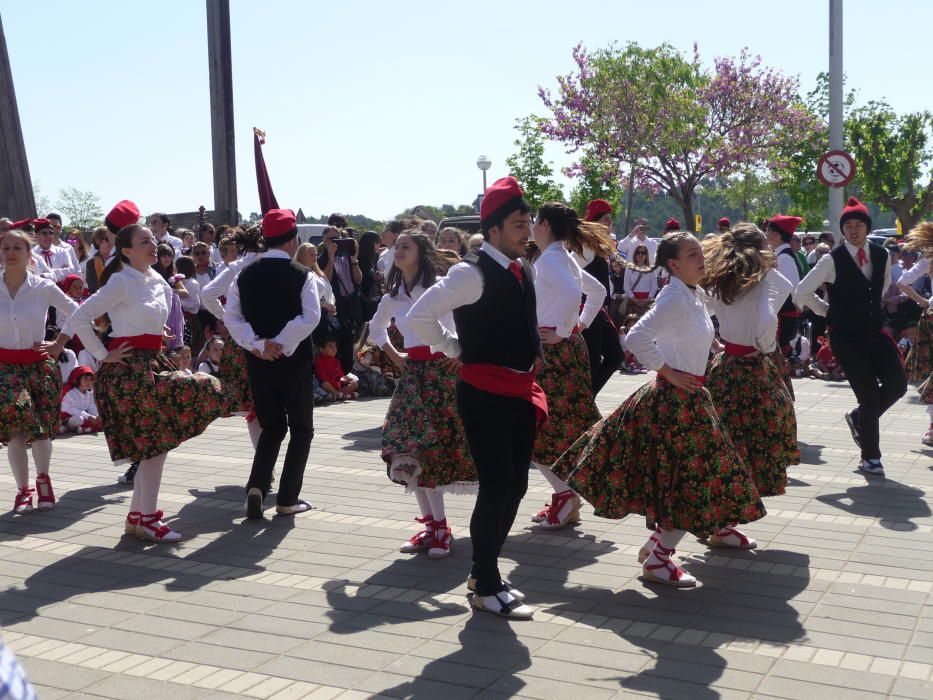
(640, 295)
(422, 353)
(738, 350)
(502, 381)
(137, 342)
(21, 357)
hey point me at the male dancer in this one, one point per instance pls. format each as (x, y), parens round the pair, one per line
(492, 297)
(272, 307)
(779, 232)
(858, 273)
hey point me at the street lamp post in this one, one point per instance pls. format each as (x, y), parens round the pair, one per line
(484, 164)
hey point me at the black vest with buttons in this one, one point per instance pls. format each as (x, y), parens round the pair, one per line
(270, 297)
(501, 327)
(854, 301)
(788, 305)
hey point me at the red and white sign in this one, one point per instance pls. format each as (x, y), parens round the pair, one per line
(835, 169)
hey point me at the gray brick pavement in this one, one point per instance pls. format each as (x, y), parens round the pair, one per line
(835, 601)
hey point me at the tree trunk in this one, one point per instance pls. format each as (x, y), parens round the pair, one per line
(686, 207)
(630, 199)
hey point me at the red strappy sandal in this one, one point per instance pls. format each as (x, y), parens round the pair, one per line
(422, 540)
(44, 492)
(132, 522)
(153, 529)
(23, 502)
(676, 577)
(558, 501)
(441, 540)
(719, 539)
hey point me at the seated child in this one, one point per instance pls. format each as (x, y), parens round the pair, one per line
(375, 370)
(79, 412)
(181, 358)
(826, 366)
(800, 353)
(629, 362)
(329, 372)
(213, 351)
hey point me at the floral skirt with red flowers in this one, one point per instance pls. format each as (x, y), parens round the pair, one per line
(920, 358)
(30, 400)
(233, 376)
(566, 380)
(926, 390)
(783, 367)
(663, 454)
(423, 423)
(750, 396)
(147, 408)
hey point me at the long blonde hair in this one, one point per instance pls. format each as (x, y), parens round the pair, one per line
(735, 261)
(920, 238)
(302, 257)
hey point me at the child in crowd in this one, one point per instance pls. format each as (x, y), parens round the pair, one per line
(73, 286)
(181, 358)
(825, 365)
(329, 372)
(210, 356)
(375, 370)
(630, 365)
(800, 354)
(79, 412)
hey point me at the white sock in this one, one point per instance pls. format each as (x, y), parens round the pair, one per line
(930, 412)
(254, 430)
(669, 539)
(652, 540)
(436, 501)
(423, 503)
(42, 455)
(555, 483)
(146, 484)
(19, 461)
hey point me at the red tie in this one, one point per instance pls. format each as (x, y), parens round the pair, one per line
(515, 268)
(47, 254)
(861, 257)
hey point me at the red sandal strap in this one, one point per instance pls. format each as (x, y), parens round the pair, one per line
(425, 520)
(149, 520)
(558, 501)
(731, 531)
(664, 555)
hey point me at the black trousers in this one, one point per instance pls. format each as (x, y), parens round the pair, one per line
(500, 431)
(605, 350)
(873, 368)
(787, 329)
(283, 398)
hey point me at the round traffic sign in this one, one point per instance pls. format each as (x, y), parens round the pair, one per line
(835, 168)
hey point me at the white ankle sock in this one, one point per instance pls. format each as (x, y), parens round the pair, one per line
(42, 455)
(555, 483)
(423, 503)
(254, 430)
(19, 461)
(652, 540)
(669, 539)
(436, 501)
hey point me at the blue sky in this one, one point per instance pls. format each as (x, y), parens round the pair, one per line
(372, 107)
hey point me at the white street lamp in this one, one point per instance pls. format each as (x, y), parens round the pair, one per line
(484, 164)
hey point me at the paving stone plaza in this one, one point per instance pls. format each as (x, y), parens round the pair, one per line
(837, 601)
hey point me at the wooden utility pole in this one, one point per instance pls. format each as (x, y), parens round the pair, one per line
(223, 149)
(16, 197)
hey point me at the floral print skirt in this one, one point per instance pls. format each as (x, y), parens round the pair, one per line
(663, 454)
(566, 381)
(783, 368)
(233, 375)
(750, 396)
(926, 389)
(423, 423)
(148, 408)
(920, 357)
(30, 400)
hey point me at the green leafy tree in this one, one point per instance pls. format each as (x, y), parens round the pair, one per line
(80, 207)
(596, 178)
(894, 159)
(528, 166)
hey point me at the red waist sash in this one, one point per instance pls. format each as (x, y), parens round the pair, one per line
(137, 342)
(737, 350)
(21, 357)
(640, 295)
(575, 331)
(502, 381)
(422, 353)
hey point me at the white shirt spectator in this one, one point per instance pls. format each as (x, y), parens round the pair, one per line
(628, 245)
(61, 261)
(642, 282)
(386, 261)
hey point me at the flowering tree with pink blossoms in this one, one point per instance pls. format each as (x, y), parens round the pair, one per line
(670, 121)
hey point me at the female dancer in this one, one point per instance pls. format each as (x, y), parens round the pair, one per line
(664, 452)
(920, 357)
(747, 387)
(565, 373)
(30, 380)
(423, 441)
(145, 412)
(249, 244)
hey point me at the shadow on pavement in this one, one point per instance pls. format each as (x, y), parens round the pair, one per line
(894, 503)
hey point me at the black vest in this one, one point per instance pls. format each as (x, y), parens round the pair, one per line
(501, 327)
(855, 302)
(270, 297)
(599, 268)
(789, 303)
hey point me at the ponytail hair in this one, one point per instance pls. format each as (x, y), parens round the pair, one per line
(736, 261)
(577, 235)
(124, 240)
(920, 238)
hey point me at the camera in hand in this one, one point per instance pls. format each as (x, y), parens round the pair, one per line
(346, 247)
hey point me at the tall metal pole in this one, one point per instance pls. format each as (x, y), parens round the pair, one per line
(16, 197)
(220, 73)
(835, 107)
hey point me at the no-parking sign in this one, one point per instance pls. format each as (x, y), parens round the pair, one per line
(835, 169)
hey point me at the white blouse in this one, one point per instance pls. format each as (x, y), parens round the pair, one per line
(79, 403)
(559, 282)
(137, 304)
(677, 331)
(63, 259)
(220, 285)
(752, 318)
(636, 281)
(326, 290)
(192, 304)
(920, 268)
(22, 319)
(397, 307)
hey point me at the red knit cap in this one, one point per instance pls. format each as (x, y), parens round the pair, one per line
(671, 224)
(79, 372)
(499, 193)
(278, 225)
(854, 209)
(123, 214)
(787, 224)
(596, 208)
(724, 222)
(39, 224)
(22, 224)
